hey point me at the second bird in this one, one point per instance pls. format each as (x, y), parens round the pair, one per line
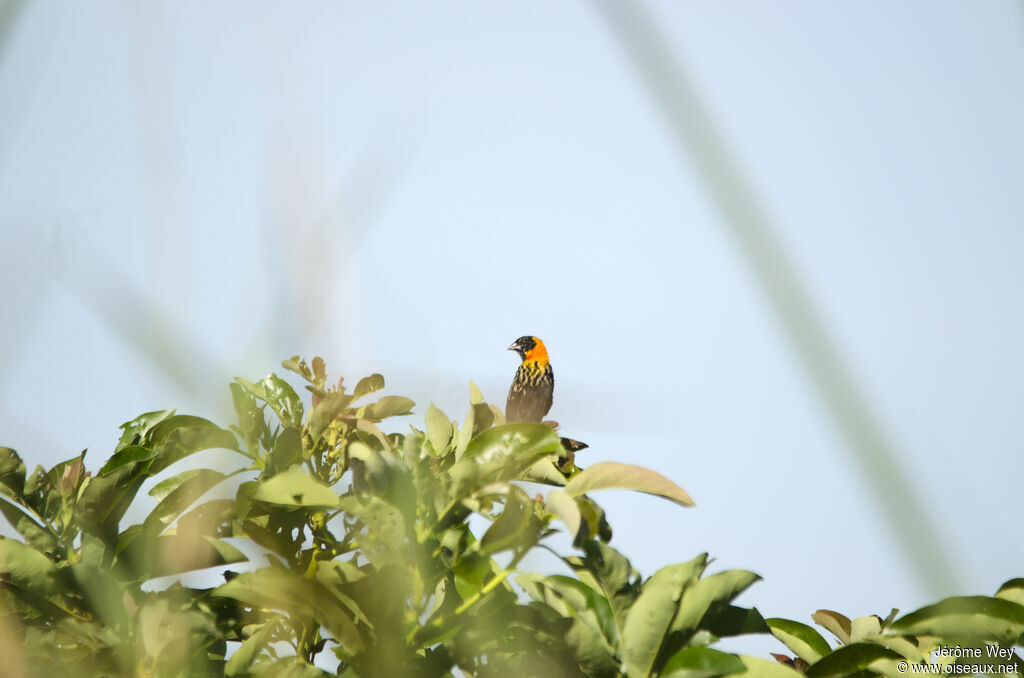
(529, 398)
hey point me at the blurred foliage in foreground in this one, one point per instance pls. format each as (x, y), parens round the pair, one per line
(362, 557)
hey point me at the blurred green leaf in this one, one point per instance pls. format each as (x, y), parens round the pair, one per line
(564, 506)
(1012, 591)
(975, 617)
(286, 453)
(764, 668)
(607, 475)
(35, 534)
(179, 492)
(326, 411)
(24, 566)
(389, 406)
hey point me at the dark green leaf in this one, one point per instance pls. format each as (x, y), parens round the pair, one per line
(702, 601)
(287, 451)
(851, 660)
(737, 621)
(701, 662)
(12, 472)
(802, 639)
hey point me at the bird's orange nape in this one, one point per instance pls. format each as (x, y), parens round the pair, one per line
(538, 353)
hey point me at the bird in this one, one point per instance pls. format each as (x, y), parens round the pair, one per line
(530, 396)
(532, 391)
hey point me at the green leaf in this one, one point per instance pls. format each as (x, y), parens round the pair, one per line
(283, 590)
(511, 528)
(296, 489)
(169, 440)
(650, 617)
(608, 475)
(801, 639)
(242, 659)
(148, 556)
(279, 394)
(251, 423)
(764, 668)
(107, 497)
(519, 441)
(25, 567)
(12, 472)
(606, 570)
(701, 662)
(326, 411)
(850, 660)
(738, 621)
(126, 455)
(475, 396)
(1012, 591)
(969, 617)
(835, 622)
(287, 451)
(389, 406)
(465, 434)
(864, 629)
(564, 506)
(35, 534)
(439, 430)
(136, 430)
(179, 492)
(706, 598)
(367, 385)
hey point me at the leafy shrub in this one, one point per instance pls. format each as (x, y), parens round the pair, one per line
(367, 554)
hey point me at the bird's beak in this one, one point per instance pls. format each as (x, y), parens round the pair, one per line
(513, 347)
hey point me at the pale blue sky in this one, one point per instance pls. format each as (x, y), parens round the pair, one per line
(406, 189)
